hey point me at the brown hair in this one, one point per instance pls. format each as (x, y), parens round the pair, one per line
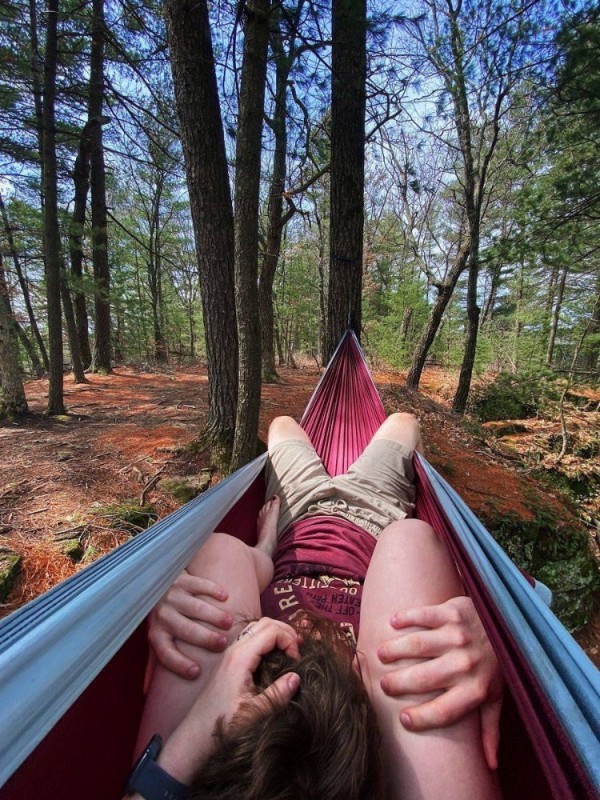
(324, 743)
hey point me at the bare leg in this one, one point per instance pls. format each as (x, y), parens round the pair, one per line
(266, 526)
(245, 571)
(283, 429)
(411, 567)
(403, 428)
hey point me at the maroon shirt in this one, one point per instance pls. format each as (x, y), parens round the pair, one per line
(320, 566)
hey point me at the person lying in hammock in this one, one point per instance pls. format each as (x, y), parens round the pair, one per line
(345, 549)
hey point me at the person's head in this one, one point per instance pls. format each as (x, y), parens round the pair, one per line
(325, 743)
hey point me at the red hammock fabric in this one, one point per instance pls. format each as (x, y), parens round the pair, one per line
(535, 736)
(88, 753)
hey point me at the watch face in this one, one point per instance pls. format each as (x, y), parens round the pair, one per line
(151, 752)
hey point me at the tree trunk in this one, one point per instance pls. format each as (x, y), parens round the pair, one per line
(67, 305)
(102, 359)
(118, 338)
(472, 192)
(445, 291)
(37, 79)
(275, 210)
(407, 316)
(488, 309)
(52, 242)
(154, 275)
(518, 322)
(461, 396)
(247, 190)
(31, 351)
(18, 332)
(194, 78)
(556, 316)
(322, 270)
(348, 64)
(81, 180)
(12, 392)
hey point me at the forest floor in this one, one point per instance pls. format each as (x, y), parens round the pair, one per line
(62, 477)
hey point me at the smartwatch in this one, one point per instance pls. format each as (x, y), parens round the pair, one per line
(151, 781)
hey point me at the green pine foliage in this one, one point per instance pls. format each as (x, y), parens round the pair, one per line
(515, 396)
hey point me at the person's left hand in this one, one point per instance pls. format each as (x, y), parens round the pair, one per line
(231, 687)
(458, 659)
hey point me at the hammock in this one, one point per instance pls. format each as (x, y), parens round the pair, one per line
(72, 661)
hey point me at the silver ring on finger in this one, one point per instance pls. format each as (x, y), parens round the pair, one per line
(246, 632)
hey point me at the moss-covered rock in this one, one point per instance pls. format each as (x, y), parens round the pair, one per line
(500, 429)
(71, 548)
(556, 553)
(185, 488)
(127, 515)
(10, 565)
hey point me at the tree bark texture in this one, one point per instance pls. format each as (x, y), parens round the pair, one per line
(275, 221)
(199, 112)
(81, 181)
(247, 190)
(348, 64)
(52, 242)
(102, 345)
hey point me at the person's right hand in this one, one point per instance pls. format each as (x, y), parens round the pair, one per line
(230, 688)
(185, 614)
(456, 659)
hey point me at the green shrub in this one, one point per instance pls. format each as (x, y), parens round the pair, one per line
(556, 554)
(513, 396)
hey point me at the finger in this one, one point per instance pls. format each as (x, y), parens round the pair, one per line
(194, 584)
(440, 712)
(424, 643)
(279, 693)
(170, 658)
(490, 731)
(198, 609)
(429, 616)
(426, 676)
(176, 626)
(266, 635)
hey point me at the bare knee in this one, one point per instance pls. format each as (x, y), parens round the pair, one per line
(402, 427)
(283, 428)
(397, 533)
(404, 418)
(281, 422)
(218, 548)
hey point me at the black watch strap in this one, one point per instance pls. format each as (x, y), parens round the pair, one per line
(154, 783)
(151, 781)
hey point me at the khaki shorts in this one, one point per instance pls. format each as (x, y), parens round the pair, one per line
(377, 489)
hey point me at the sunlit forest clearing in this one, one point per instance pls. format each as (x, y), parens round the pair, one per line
(197, 201)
